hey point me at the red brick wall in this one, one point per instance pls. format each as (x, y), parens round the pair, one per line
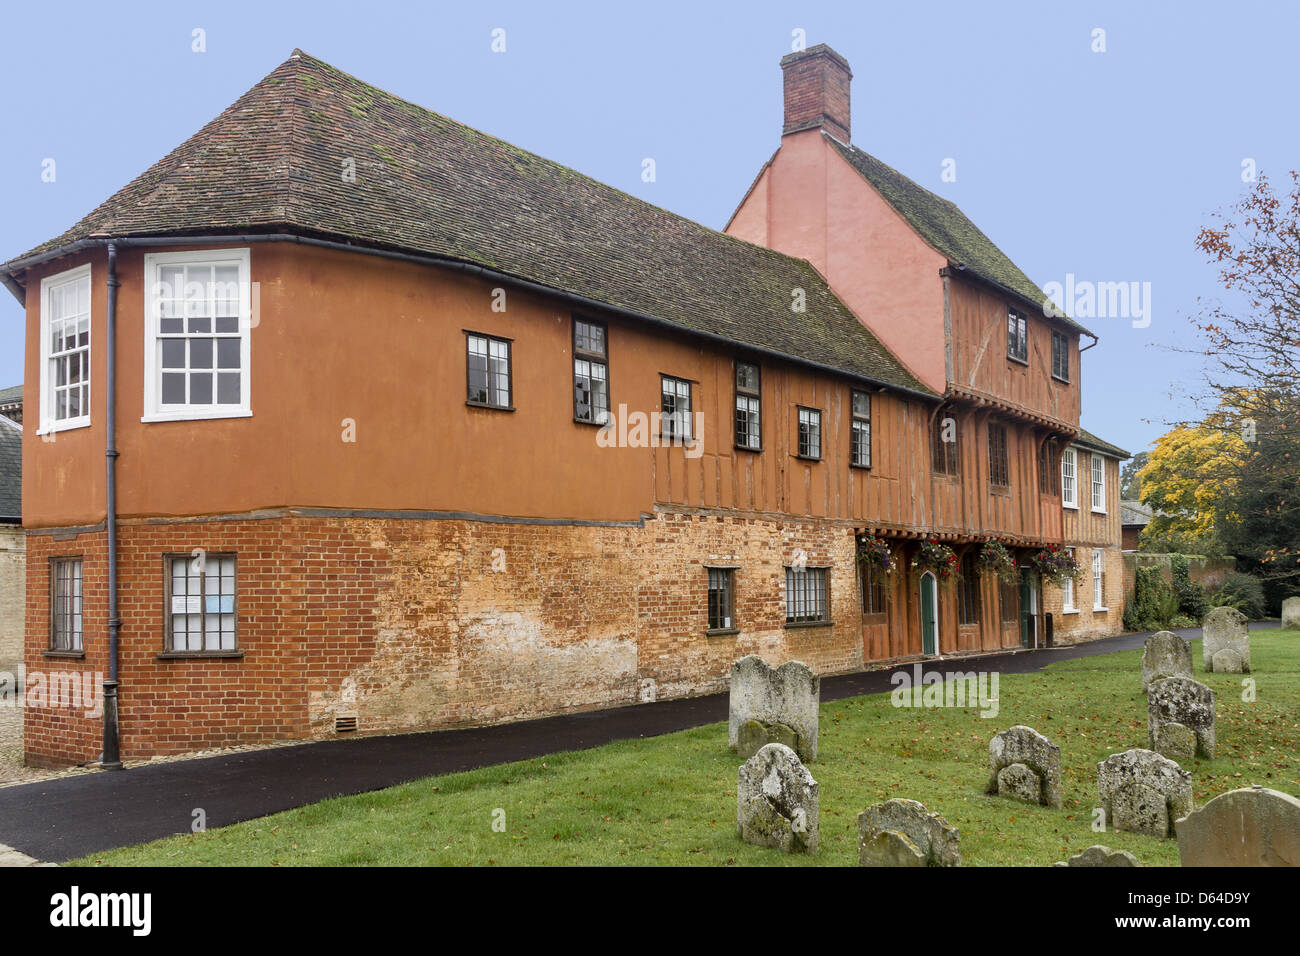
(816, 85)
(416, 623)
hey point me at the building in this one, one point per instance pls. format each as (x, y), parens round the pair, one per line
(417, 429)
(1092, 605)
(11, 403)
(1135, 516)
(13, 565)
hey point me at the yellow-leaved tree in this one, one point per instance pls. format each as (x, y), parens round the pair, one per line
(1191, 479)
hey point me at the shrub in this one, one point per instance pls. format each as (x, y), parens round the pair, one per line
(1242, 591)
(1154, 601)
(1130, 612)
(1191, 596)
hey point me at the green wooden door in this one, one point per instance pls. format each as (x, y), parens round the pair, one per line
(929, 615)
(1028, 608)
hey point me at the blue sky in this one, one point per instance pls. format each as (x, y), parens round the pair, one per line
(1100, 165)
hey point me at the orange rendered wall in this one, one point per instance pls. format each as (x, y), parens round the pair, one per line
(810, 203)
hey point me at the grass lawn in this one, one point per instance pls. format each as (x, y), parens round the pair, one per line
(672, 799)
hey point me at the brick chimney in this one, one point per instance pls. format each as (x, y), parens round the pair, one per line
(817, 91)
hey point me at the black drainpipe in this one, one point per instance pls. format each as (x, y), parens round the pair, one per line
(111, 758)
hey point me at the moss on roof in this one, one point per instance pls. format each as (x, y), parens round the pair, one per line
(273, 161)
(1088, 440)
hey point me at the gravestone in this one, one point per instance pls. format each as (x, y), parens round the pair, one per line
(1025, 765)
(1165, 655)
(1180, 702)
(777, 801)
(773, 705)
(1291, 613)
(1253, 826)
(1143, 792)
(1101, 856)
(904, 833)
(1225, 642)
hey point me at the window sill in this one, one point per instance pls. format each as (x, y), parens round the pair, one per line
(807, 458)
(860, 467)
(65, 655)
(491, 408)
(577, 421)
(1099, 511)
(195, 416)
(64, 426)
(720, 631)
(793, 625)
(1060, 381)
(1070, 507)
(199, 655)
(1018, 360)
(1069, 610)
(1099, 610)
(752, 451)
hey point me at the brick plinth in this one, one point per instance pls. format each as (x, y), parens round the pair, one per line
(418, 623)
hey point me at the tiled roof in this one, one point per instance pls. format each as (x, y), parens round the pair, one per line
(1088, 440)
(10, 395)
(946, 228)
(275, 161)
(1134, 513)
(11, 471)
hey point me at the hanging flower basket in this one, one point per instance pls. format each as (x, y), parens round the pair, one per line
(874, 553)
(1055, 564)
(995, 557)
(936, 557)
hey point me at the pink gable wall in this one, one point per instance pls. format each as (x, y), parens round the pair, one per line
(810, 203)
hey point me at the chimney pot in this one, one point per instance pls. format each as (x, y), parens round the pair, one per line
(817, 91)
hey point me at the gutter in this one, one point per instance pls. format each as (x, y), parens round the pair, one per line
(111, 757)
(455, 265)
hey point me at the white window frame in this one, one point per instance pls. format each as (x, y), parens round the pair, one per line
(154, 411)
(45, 402)
(1098, 581)
(676, 425)
(1067, 591)
(1069, 479)
(1098, 475)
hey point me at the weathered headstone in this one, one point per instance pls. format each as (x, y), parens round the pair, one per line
(1253, 826)
(773, 705)
(1165, 655)
(1175, 741)
(777, 801)
(1025, 765)
(1225, 642)
(1101, 856)
(904, 833)
(1291, 613)
(1143, 792)
(1181, 702)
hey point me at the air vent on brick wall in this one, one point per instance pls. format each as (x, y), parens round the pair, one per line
(345, 725)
